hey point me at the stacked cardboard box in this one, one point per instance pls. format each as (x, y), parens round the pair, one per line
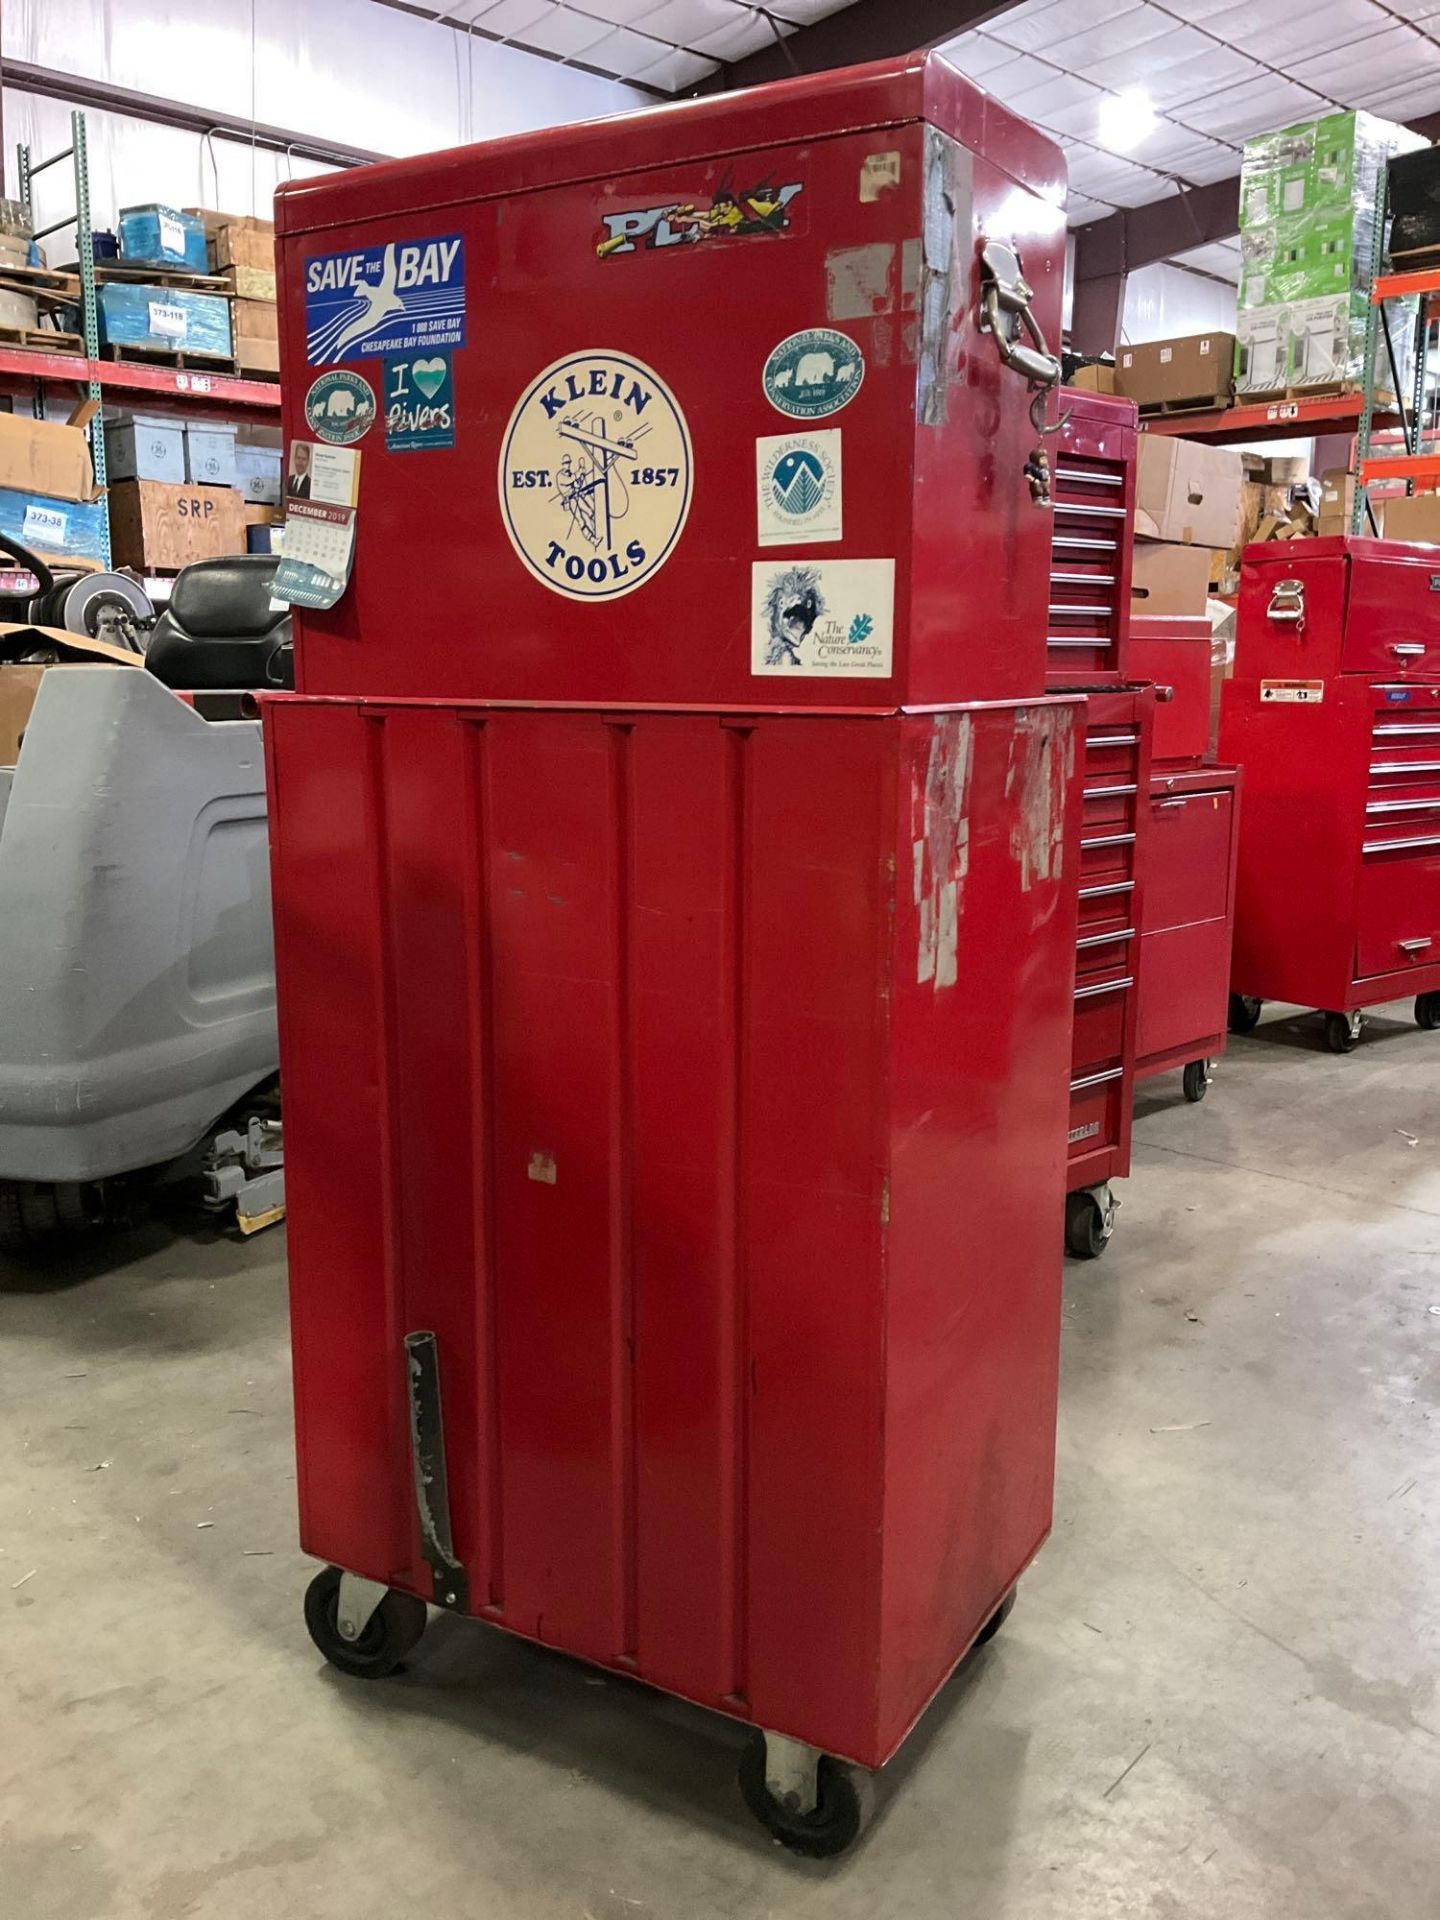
(48, 500)
(1194, 371)
(243, 252)
(1307, 237)
(1187, 503)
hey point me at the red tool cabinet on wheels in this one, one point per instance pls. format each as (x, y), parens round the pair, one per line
(1334, 711)
(674, 907)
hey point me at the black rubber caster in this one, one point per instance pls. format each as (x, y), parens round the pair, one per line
(997, 1620)
(389, 1634)
(1342, 1032)
(1086, 1228)
(1244, 1012)
(841, 1808)
(1195, 1081)
(1427, 1011)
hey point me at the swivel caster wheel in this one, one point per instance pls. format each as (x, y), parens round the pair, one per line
(362, 1628)
(1089, 1222)
(1342, 1031)
(809, 1802)
(997, 1620)
(1195, 1081)
(1427, 1011)
(1244, 1012)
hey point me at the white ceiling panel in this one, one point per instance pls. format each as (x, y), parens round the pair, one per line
(1255, 107)
(1283, 34)
(566, 33)
(511, 16)
(1198, 78)
(675, 71)
(684, 22)
(619, 12)
(1053, 94)
(1376, 62)
(624, 53)
(1040, 27)
(746, 33)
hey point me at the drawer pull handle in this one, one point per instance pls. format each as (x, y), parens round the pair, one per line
(1107, 840)
(1097, 1079)
(1111, 740)
(1107, 793)
(1393, 846)
(1105, 986)
(1105, 939)
(1407, 649)
(1287, 603)
(1402, 806)
(1100, 893)
(1414, 946)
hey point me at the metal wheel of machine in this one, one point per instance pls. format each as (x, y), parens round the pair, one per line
(997, 1620)
(1342, 1032)
(842, 1804)
(1195, 1081)
(1086, 1228)
(1427, 1011)
(1244, 1012)
(392, 1630)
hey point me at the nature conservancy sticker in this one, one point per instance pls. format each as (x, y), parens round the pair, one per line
(813, 373)
(797, 477)
(340, 408)
(596, 474)
(823, 618)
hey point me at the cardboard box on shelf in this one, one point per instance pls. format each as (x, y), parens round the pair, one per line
(1337, 501)
(141, 446)
(134, 315)
(156, 236)
(244, 243)
(257, 356)
(1276, 470)
(67, 530)
(1093, 379)
(42, 456)
(256, 319)
(1186, 491)
(159, 528)
(1169, 577)
(210, 456)
(1195, 367)
(1414, 518)
(251, 283)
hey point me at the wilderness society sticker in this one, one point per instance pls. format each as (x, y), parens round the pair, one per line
(824, 618)
(797, 479)
(406, 296)
(595, 475)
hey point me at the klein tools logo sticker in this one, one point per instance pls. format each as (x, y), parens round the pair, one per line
(408, 296)
(340, 408)
(728, 215)
(798, 488)
(813, 373)
(596, 471)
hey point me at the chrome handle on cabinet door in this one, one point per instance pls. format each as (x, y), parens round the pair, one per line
(1287, 602)
(1414, 946)
(1407, 649)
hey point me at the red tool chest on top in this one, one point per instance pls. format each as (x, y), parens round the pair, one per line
(1092, 461)
(1334, 712)
(686, 919)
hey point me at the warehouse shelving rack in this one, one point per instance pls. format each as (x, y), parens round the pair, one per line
(87, 371)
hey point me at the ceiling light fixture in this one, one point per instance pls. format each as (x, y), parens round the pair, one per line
(1126, 118)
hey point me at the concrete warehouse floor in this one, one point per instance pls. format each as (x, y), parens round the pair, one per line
(1217, 1697)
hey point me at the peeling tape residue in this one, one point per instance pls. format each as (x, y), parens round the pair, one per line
(942, 276)
(1042, 761)
(940, 822)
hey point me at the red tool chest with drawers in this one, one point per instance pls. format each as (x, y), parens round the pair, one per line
(675, 907)
(1334, 711)
(1092, 461)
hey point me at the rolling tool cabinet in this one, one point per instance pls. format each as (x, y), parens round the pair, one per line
(1190, 881)
(674, 925)
(1334, 712)
(1114, 835)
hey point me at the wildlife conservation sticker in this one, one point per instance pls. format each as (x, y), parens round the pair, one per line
(340, 408)
(813, 373)
(408, 296)
(595, 475)
(827, 619)
(419, 403)
(797, 479)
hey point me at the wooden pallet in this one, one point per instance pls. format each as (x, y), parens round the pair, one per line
(41, 282)
(183, 361)
(1203, 403)
(41, 340)
(1322, 390)
(1418, 260)
(115, 271)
